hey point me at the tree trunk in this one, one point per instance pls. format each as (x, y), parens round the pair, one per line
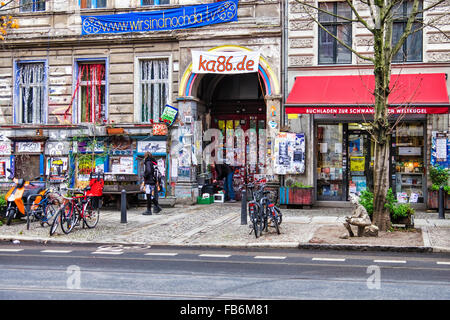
(381, 217)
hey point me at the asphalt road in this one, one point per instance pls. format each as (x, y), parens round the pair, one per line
(76, 272)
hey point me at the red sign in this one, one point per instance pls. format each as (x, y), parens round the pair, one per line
(365, 110)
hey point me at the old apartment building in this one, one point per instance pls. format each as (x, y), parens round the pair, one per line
(75, 70)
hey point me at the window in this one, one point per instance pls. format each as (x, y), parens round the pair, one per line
(31, 92)
(154, 88)
(154, 2)
(91, 92)
(330, 50)
(411, 51)
(32, 5)
(92, 4)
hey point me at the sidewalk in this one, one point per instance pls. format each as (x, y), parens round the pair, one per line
(219, 225)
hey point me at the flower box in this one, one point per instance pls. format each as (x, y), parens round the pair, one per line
(113, 131)
(297, 196)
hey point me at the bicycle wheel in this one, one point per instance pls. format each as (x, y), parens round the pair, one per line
(279, 215)
(55, 222)
(49, 213)
(91, 215)
(274, 219)
(68, 218)
(253, 209)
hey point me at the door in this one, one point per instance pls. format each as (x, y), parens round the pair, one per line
(360, 168)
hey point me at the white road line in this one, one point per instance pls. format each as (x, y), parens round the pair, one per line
(328, 259)
(10, 250)
(56, 251)
(443, 262)
(389, 261)
(171, 254)
(107, 252)
(214, 255)
(270, 257)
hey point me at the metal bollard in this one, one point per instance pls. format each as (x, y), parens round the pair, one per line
(441, 206)
(123, 207)
(244, 207)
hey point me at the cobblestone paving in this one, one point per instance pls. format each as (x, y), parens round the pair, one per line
(216, 224)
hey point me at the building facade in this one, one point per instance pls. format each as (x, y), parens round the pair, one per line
(73, 73)
(329, 98)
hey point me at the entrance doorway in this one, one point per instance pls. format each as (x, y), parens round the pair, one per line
(235, 102)
(360, 166)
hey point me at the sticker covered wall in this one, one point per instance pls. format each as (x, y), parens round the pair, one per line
(289, 152)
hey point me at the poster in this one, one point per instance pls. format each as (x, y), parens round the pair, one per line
(440, 149)
(289, 152)
(357, 163)
(151, 146)
(169, 115)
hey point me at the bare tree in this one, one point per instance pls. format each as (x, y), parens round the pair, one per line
(378, 17)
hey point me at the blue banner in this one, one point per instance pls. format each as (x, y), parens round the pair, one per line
(170, 19)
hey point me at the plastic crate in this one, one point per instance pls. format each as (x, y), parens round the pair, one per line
(209, 200)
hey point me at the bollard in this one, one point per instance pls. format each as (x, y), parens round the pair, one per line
(123, 207)
(244, 207)
(441, 203)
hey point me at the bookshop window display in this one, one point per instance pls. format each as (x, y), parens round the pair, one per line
(408, 148)
(330, 164)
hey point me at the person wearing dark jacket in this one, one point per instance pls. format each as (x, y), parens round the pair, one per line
(151, 180)
(224, 171)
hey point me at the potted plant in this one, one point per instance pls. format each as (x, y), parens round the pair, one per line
(439, 177)
(401, 213)
(112, 130)
(296, 193)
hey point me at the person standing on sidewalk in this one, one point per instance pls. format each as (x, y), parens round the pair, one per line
(150, 181)
(224, 171)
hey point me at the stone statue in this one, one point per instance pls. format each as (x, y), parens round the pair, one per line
(361, 219)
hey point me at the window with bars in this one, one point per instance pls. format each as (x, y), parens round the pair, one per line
(32, 5)
(92, 4)
(91, 92)
(330, 50)
(411, 51)
(31, 92)
(154, 88)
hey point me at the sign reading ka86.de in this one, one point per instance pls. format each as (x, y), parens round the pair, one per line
(225, 62)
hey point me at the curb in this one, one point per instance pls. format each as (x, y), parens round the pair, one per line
(301, 246)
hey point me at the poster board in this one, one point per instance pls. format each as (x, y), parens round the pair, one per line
(289, 152)
(440, 149)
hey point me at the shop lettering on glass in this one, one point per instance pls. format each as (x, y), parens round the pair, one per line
(29, 147)
(225, 62)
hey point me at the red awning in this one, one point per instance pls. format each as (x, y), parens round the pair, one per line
(410, 93)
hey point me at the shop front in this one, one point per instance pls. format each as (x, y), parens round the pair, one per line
(341, 130)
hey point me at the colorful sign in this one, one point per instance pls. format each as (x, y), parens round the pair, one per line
(170, 19)
(169, 115)
(289, 153)
(225, 62)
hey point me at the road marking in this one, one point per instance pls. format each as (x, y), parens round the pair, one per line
(56, 251)
(107, 252)
(11, 250)
(328, 259)
(161, 254)
(443, 262)
(270, 257)
(389, 261)
(214, 255)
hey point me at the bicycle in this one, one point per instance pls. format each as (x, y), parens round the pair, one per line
(271, 214)
(254, 209)
(44, 207)
(78, 208)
